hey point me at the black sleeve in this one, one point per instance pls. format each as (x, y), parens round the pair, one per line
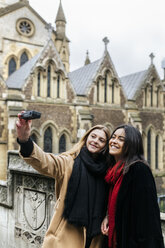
(26, 148)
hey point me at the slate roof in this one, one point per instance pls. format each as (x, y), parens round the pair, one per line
(82, 78)
(131, 83)
(17, 79)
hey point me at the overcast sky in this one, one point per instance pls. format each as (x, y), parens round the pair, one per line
(135, 28)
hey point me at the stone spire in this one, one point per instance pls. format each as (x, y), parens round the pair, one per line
(60, 14)
(60, 23)
(87, 60)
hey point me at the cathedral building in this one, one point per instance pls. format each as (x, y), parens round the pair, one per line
(35, 74)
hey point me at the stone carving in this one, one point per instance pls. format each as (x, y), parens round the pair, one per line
(34, 208)
(3, 194)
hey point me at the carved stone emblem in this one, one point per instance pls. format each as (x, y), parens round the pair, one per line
(34, 205)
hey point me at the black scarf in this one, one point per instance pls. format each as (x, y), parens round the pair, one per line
(86, 197)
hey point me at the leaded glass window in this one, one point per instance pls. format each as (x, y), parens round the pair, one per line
(62, 144)
(58, 86)
(48, 140)
(48, 81)
(105, 89)
(149, 146)
(98, 89)
(156, 152)
(113, 91)
(24, 58)
(38, 83)
(12, 66)
(151, 95)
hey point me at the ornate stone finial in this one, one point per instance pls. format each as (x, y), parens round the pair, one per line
(152, 56)
(106, 41)
(49, 27)
(87, 60)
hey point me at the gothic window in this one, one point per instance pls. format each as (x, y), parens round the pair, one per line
(58, 86)
(149, 146)
(48, 81)
(145, 96)
(113, 91)
(98, 88)
(105, 89)
(157, 96)
(151, 95)
(156, 152)
(48, 140)
(24, 58)
(38, 83)
(12, 66)
(62, 144)
(34, 137)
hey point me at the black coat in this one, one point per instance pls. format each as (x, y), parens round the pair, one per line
(137, 212)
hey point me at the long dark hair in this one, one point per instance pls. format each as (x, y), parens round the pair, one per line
(133, 146)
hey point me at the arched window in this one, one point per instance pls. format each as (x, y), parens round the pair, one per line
(157, 152)
(157, 96)
(12, 66)
(34, 137)
(24, 58)
(149, 146)
(62, 144)
(151, 95)
(48, 140)
(48, 81)
(113, 91)
(38, 83)
(105, 89)
(58, 86)
(98, 89)
(145, 96)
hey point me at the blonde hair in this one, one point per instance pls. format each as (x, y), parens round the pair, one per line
(74, 151)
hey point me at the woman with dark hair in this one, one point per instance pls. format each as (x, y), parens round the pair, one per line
(80, 187)
(133, 219)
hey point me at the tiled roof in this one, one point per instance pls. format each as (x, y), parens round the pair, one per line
(82, 78)
(17, 79)
(131, 83)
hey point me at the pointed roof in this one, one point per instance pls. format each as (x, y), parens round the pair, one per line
(131, 83)
(18, 78)
(60, 14)
(134, 82)
(82, 78)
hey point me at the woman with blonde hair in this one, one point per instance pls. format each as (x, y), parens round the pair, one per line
(80, 187)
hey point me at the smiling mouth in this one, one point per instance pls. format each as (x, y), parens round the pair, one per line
(94, 146)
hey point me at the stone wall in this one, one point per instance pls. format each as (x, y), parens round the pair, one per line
(26, 205)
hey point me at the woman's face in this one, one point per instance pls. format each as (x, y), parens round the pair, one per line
(96, 141)
(116, 144)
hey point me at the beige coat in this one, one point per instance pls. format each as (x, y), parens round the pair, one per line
(60, 233)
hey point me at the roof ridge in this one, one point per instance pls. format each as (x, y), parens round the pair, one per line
(134, 73)
(88, 65)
